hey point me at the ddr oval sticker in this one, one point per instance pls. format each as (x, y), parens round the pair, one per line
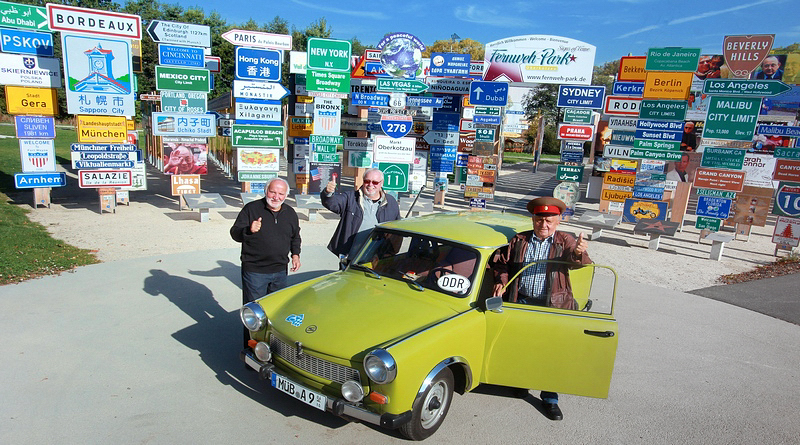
(453, 283)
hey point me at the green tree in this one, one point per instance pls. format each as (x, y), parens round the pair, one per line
(605, 74)
(464, 46)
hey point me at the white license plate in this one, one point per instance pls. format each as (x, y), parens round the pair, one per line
(300, 393)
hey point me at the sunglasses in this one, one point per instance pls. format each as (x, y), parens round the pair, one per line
(367, 182)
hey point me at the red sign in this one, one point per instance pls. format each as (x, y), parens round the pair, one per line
(575, 132)
(786, 170)
(743, 54)
(465, 142)
(718, 179)
(94, 21)
(622, 105)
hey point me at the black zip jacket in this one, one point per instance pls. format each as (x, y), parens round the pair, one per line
(267, 251)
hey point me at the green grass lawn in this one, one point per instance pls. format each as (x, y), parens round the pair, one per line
(516, 158)
(26, 249)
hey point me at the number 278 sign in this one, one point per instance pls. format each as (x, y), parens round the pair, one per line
(787, 201)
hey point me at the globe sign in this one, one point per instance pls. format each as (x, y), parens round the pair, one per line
(401, 58)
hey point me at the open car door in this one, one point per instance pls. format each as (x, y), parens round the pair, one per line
(559, 350)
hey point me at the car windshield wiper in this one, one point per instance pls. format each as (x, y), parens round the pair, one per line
(365, 269)
(412, 280)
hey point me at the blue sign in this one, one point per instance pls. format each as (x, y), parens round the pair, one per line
(493, 120)
(450, 103)
(26, 42)
(489, 93)
(258, 64)
(369, 100)
(446, 152)
(35, 127)
(424, 101)
(622, 138)
(636, 210)
(111, 164)
(646, 124)
(34, 180)
(440, 165)
(450, 64)
(478, 203)
(396, 126)
(713, 207)
(375, 69)
(572, 156)
(659, 135)
(779, 130)
(462, 159)
(580, 96)
(446, 121)
(639, 194)
(176, 55)
(628, 88)
(787, 201)
(103, 147)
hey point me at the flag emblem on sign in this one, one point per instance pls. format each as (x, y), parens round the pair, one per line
(325, 120)
(38, 160)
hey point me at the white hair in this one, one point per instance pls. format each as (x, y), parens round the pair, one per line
(278, 179)
(370, 170)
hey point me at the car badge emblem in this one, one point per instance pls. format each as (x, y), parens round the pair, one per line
(295, 320)
(299, 349)
(311, 329)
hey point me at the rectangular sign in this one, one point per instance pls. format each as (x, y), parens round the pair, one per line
(719, 179)
(102, 129)
(258, 64)
(369, 100)
(622, 123)
(253, 89)
(329, 54)
(20, 41)
(656, 155)
(399, 150)
(786, 170)
(622, 105)
(732, 118)
(628, 89)
(450, 64)
(572, 173)
(779, 130)
(257, 159)
(623, 137)
(258, 112)
(179, 33)
(667, 85)
(718, 157)
(328, 81)
(37, 155)
(257, 39)
(448, 85)
(706, 223)
(787, 231)
(183, 79)
(744, 87)
(35, 127)
(104, 178)
(713, 207)
(258, 136)
(171, 124)
(672, 59)
(30, 71)
(632, 69)
(657, 145)
(579, 96)
(659, 135)
(668, 110)
(184, 102)
(300, 126)
(175, 55)
(37, 180)
(616, 151)
(575, 132)
(93, 21)
(577, 116)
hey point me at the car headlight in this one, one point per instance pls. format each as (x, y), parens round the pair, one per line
(262, 351)
(253, 316)
(380, 366)
(352, 391)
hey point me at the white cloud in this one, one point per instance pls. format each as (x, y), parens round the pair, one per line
(365, 14)
(488, 16)
(717, 12)
(639, 31)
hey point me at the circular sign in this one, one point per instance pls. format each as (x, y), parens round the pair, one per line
(455, 283)
(569, 192)
(788, 200)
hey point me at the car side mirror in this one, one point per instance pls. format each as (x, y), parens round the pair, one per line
(494, 304)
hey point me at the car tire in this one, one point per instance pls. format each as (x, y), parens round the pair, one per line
(430, 408)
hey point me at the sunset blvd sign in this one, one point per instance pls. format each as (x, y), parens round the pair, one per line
(256, 39)
(179, 33)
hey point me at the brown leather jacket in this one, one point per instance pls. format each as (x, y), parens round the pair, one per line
(508, 260)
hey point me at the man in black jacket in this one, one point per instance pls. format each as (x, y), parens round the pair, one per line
(268, 230)
(360, 210)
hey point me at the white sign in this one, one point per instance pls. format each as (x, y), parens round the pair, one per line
(303, 109)
(467, 126)
(257, 159)
(298, 62)
(180, 33)
(30, 71)
(98, 75)
(539, 59)
(37, 155)
(787, 231)
(455, 283)
(139, 178)
(104, 178)
(93, 21)
(617, 151)
(447, 85)
(256, 39)
(758, 170)
(302, 151)
(622, 123)
(388, 149)
(254, 89)
(169, 124)
(327, 116)
(258, 111)
(441, 138)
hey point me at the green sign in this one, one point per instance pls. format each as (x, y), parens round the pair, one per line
(667, 110)
(188, 102)
(182, 79)
(324, 148)
(360, 159)
(658, 155)
(745, 87)
(716, 193)
(572, 173)
(328, 81)
(657, 145)
(732, 118)
(732, 158)
(257, 135)
(256, 176)
(577, 115)
(15, 15)
(706, 223)
(400, 86)
(487, 111)
(395, 176)
(327, 158)
(329, 54)
(325, 139)
(672, 59)
(787, 153)
(484, 134)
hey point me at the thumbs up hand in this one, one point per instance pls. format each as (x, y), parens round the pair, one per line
(255, 226)
(581, 245)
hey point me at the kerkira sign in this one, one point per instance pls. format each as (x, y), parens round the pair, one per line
(93, 21)
(539, 59)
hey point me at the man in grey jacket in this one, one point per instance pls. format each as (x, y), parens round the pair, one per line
(360, 210)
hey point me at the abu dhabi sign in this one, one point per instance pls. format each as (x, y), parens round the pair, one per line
(539, 59)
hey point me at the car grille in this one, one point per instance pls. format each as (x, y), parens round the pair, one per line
(314, 365)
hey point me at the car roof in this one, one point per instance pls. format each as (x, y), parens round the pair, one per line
(478, 229)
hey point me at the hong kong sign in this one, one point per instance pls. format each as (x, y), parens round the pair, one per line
(258, 64)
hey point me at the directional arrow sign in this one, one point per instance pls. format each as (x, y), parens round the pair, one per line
(400, 86)
(179, 33)
(258, 39)
(251, 89)
(15, 15)
(441, 138)
(488, 93)
(742, 87)
(424, 101)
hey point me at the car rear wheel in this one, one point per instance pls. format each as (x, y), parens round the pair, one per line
(431, 408)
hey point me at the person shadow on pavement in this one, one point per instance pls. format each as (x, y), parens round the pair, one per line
(216, 335)
(226, 269)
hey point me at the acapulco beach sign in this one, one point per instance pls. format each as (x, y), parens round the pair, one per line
(539, 59)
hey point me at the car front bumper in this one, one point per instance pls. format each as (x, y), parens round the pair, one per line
(337, 406)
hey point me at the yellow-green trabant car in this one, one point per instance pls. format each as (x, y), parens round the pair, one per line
(412, 319)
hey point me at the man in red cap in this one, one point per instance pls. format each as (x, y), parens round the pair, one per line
(542, 284)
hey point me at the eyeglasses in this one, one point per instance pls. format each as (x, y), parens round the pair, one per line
(367, 182)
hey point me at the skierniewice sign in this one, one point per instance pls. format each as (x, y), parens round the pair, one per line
(539, 59)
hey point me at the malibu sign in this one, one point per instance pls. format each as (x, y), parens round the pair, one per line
(539, 59)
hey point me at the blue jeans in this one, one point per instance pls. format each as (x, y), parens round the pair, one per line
(549, 397)
(256, 285)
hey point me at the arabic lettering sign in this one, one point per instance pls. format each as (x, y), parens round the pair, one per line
(15, 15)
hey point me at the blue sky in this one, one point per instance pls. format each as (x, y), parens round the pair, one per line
(616, 27)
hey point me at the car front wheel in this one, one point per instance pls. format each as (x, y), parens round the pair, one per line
(431, 408)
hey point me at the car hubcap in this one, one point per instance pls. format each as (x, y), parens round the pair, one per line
(432, 406)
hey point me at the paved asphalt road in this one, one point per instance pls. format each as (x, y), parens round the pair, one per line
(146, 351)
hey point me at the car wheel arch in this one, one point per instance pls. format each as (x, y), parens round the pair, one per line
(462, 374)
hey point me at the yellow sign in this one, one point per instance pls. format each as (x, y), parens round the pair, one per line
(305, 99)
(102, 129)
(300, 127)
(465, 101)
(667, 85)
(619, 179)
(631, 69)
(615, 195)
(131, 125)
(185, 184)
(26, 100)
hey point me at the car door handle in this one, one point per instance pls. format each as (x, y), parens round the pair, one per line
(599, 333)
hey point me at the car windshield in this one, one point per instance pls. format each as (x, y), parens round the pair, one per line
(427, 263)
